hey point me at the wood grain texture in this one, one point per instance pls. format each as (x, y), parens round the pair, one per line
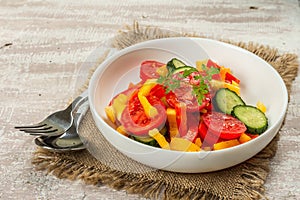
(43, 45)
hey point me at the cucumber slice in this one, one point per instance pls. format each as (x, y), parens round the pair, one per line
(174, 64)
(181, 69)
(254, 119)
(225, 99)
(145, 140)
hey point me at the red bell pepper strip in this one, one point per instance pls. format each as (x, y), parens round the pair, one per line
(208, 139)
(181, 118)
(252, 135)
(229, 78)
(158, 91)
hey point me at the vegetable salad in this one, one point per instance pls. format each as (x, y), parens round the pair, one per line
(184, 108)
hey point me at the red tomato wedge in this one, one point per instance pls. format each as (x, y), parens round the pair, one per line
(211, 63)
(148, 69)
(223, 125)
(135, 120)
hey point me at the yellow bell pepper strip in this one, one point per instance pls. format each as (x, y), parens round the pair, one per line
(161, 140)
(215, 84)
(110, 113)
(150, 110)
(232, 87)
(226, 144)
(235, 83)
(173, 129)
(181, 144)
(244, 138)
(147, 86)
(199, 64)
(119, 105)
(198, 142)
(122, 130)
(261, 106)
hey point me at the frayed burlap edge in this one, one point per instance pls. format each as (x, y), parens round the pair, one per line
(251, 182)
(72, 170)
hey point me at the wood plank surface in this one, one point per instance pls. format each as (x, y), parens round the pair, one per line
(43, 45)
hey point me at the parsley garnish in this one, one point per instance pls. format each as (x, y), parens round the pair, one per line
(199, 90)
(187, 72)
(169, 82)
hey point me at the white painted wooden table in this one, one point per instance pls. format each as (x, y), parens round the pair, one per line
(44, 43)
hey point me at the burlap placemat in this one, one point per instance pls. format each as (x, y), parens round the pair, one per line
(244, 181)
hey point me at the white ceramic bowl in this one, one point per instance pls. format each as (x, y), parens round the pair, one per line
(259, 82)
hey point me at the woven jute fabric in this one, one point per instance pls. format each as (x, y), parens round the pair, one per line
(112, 168)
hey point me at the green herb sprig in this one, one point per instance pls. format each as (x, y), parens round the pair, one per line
(199, 90)
(169, 82)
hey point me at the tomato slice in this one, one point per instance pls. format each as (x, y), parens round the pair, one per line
(135, 120)
(223, 125)
(148, 69)
(216, 77)
(211, 63)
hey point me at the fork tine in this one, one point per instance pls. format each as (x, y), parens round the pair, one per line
(43, 128)
(31, 126)
(39, 131)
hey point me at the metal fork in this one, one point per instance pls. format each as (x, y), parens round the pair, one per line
(56, 123)
(70, 140)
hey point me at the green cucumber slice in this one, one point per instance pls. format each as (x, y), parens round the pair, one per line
(174, 64)
(185, 68)
(254, 119)
(145, 140)
(225, 99)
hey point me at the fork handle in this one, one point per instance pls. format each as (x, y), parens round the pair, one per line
(80, 112)
(79, 100)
